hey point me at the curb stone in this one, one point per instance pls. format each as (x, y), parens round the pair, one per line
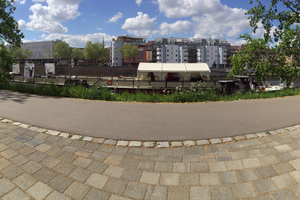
(161, 144)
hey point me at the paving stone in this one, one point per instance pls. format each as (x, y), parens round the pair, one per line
(8, 153)
(174, 159)
(163, 167)
(284, 181)
(56, 195)
(262, 134)
(243, 190)
(182, 167)
(135, 144)
(197, 150)
(7, 140)
(181, 151)
(254, 153)
(156, 192)
(150, 177)
(6, 186)
(235, 165)
(283, 148)
(217, 166)
(177, 193)
(266, 172)
(41, 130)
(215, 141)
(114, 171)
(148, 144)
(247, 175)
(132, 175)
(223, 156)
(157, 158)
(82, 162)
(97, 180)
(77, 190)
(264, 186)
(222, 192)
(97, 167)
(190, 158)
(45, 175)
(31, 167)
(251, 136)
(199, 167)
(23, 138)
(284, 194)
(177, 144)
(83, 152)
(146, 165)
(203, 192)
(15, 145)
(252, 163)
(284, 167)
(283, 157)
(113, 159)
(79, 174)
(202, 142)
(273, 132)
(209, 179)
(130, 163)
(165, 152)
(122, 143)
(296, 189)
(50, 162)
(43, 147)
(188, 179)
(162, 144)
(115, 197)
(228, 177)
(64, 135)
(24, 125)
(89, 139)
(169, 179)
(99, 156)
(189, 143)
(135, 151)
(116, 186)
(296, 175)
(11, 172)
(24, 181)
(281, 130)
(295, 163)
(269, 160)
(238, 155)
(227, 139)
(51, 132)
(239, 137)
(16, 194)
(37, 156)
(98, 140)
(69, 149)
(60, 183)
(110, 142)
(54, 152)
(39, 190)
(135, 190)
(64, 168)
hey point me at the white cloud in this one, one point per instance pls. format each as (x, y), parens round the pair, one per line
(80, 40)
(154, 2)
(20, 1)
(116, 17)
(236, 42)
(99, 29)
(138, 2)
(48, 18)
(141, 25)
(179, 26)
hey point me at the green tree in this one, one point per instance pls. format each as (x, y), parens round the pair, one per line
(268, 55)
(20, 53)
(95, 51)
(62, 50)
(129, 51)
(10, 33)
(77, 54)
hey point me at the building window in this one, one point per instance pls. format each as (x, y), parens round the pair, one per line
(141, 54)
(141, 59)
(141, 50)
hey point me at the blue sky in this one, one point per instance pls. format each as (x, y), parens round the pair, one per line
(78, 21)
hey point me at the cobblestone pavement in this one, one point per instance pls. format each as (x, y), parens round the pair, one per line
(35, 165)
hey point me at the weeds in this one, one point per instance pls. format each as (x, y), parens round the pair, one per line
(196, 93)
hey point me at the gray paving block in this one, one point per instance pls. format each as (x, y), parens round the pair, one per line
(60, 183)
(203, 192)
(262, 134)
(68, 157)
(229, 177)
(252, 163)
(177, 144)
(45, 175)
(148, 144)
(264, 186)
(16, 194)
(284, 181)
(130, 163)
(251, 136)
(135, 190)
(79, 174)
(34, 142)
(165, 152)
(243, 190)
(37, 156)
(146, 165)
(269, 160)
(135, 151)
(174, 159)
(82, 162)
(122, 143)
(215, 141)
(116, 186)
(273, 132)
(177, 193)
(23, 138)
(283, 148)
(98, 140)
(97, 194)
(156, 192)
(6, 186)
(223, 156)
(163, 144)
(77, 190)
(254, 153)
(97, 167)
(163, 167)
(132, 175)
(234, 165)
(189, 143)
(99, 156)
(56, 195)
(222, 192)
(209, 179)
(239, 137)
(150, 177)
(170, 179)
(11, 172)
(110, 142)
(50, 162)
(284, 167)
(24, 181)
(113, 159)
(217, 166)
(182, 167)
(97, 180)
(39, 190)
(227, 139)
(283, 157)
(284, 194)
(199, 167)
(114, 171)
(189, 179)
(190, 158)
(31, 167)
(247, 175)
(64, 168)
(135, 144)
(203, 142)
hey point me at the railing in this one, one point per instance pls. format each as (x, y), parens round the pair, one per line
(126, 82)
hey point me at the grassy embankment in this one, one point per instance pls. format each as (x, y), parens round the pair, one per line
(178, 96)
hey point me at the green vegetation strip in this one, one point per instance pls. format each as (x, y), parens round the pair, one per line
(179, 96)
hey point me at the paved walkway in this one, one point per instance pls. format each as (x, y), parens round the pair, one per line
(36, 165)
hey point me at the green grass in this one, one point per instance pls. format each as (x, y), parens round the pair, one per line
(178, 96)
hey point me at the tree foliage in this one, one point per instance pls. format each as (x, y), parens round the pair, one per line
(77, 53)
(95, 51)
(129, 51)
(10, 33)
(62, 50)
(268, 55)
(20, 53)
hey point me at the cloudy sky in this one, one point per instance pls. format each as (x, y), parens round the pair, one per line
(78, 21)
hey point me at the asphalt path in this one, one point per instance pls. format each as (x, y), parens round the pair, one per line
(150, 121)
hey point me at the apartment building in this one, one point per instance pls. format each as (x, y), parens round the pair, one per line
(214, 52)
(116, 56)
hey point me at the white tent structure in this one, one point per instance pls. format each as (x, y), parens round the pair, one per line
(173, 72)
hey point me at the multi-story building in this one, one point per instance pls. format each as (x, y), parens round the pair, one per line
(214, 52)
(116, 56)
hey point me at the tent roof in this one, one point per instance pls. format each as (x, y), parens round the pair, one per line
(173, 67)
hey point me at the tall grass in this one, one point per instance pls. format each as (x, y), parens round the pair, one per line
(193, 94)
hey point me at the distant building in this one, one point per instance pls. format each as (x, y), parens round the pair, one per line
(116, 57)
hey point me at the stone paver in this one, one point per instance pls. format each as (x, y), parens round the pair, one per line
(47, 164)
